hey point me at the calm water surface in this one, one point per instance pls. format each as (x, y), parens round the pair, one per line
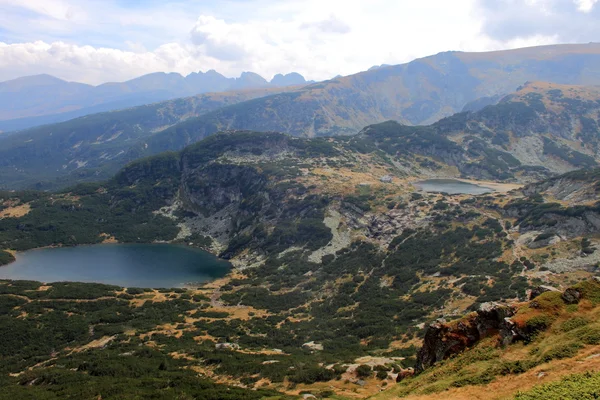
(451, 186)
(140, 265)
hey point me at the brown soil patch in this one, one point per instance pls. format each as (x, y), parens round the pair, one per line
(15, 211)
(154, 296)
(166, 329)
(344, 388)
(217, 283)
(95, 344)
(13, 252)
(106, 238)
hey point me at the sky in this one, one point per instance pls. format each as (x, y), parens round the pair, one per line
(96, 41)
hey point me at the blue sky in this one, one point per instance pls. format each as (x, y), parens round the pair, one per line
(95, 41)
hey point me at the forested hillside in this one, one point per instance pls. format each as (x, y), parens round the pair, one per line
(339, 258)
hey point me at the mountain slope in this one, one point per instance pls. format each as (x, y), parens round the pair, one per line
(35, 100)
(340, 260)
(540, 130)
(420, 92)
(74, 146)
(500, 351)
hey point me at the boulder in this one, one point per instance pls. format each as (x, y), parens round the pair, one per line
(312, 346)
(404, 373)
(535, 292)
(571, 296)
(227, 346)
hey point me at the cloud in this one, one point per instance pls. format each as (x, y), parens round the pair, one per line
(563, 20)
(585, 5)
(220, 40)
(329, 25)
(111, 40)
(90, 64)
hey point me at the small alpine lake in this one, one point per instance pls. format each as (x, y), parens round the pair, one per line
(128, 265)
(451, 186)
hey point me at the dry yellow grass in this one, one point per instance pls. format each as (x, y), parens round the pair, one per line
(15, 211)
(106, 238)
(505, 387)
(154, 296)
(95, 344)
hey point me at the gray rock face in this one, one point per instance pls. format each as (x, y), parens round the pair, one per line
(541, 289)
(227, 346)
(571, 296)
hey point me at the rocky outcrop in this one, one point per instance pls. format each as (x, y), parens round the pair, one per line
(535, 292)
(443, 340)
(572, 295)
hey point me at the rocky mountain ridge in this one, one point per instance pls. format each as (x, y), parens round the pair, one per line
(541, 130)
(43, 99)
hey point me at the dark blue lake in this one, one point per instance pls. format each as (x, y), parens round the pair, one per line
(139, 265)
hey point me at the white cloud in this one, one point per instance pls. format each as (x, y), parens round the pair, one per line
(329, 25)
(97, 41)
(565, 21)
(585, 5)
(89, 64)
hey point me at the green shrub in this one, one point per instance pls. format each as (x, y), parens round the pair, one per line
(6, 257)
(539, 323)
(590, 290)
(574, 387)
(516, 367)
(573, 323)
(363, 371)
(211, 314)
(135, 291)
(381, 375)
(561, 351)
(589, 335)
(312, 374)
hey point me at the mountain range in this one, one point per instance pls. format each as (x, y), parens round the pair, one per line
(540, 130)
(420, 92)
(43, 99)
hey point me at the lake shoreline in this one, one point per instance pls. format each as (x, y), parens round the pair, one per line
(16, 253)
(500, 187)
(491, 186)
(122, 264)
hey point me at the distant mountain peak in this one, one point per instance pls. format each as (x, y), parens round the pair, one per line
(34, 80)
(374, 67)
(293, 78)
